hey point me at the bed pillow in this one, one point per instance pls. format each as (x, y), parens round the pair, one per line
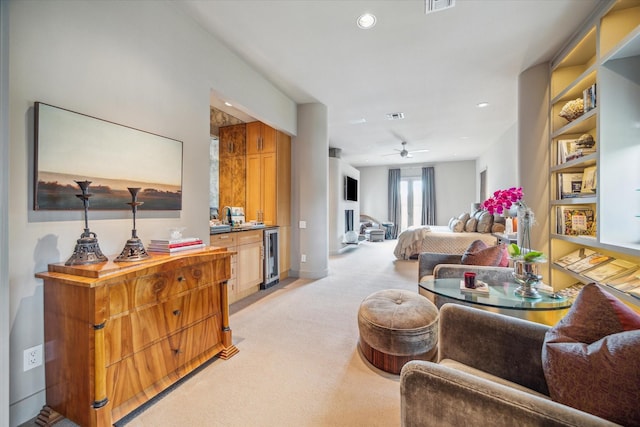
(497, 228)
(590, 358)
(471, 225)
(457, 226)
(478, 253)
(485, 222)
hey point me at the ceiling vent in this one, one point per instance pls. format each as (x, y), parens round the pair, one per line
(438, 5)
(335, 152)
(395, 116)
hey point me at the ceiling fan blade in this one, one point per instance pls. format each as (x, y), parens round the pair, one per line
(418, 151)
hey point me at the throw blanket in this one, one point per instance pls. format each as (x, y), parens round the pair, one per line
(410, 241)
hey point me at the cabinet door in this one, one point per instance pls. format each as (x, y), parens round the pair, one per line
(261, 138)
(232, 140)
(269, 190)
(249, 265)
(232, 181)
(254, 188)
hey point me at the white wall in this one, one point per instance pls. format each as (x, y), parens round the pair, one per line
(337, 205)
(138, 63)
(4, 213)
(455, 187)
(501, 164)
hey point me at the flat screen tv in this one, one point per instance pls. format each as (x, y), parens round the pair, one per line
(350, 189)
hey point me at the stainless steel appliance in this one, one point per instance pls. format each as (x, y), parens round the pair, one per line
(271, 258)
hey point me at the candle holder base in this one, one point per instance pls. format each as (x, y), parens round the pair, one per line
(87, 251)
(133, 251)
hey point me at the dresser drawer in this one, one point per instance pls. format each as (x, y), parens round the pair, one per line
(157, 287)
(135, 377)
(130, 333)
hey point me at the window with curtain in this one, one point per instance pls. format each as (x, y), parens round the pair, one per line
(410, 201)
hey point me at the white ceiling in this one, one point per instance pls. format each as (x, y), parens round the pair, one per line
(435, 68)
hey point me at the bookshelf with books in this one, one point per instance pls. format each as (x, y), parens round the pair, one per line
(593, 146)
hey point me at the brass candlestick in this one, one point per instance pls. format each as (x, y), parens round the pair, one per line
(134, 248)
(87, 250)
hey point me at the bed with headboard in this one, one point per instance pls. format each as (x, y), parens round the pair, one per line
(453, 238)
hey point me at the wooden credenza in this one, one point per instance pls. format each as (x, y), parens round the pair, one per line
(117, 334)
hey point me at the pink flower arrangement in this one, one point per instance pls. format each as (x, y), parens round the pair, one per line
(502, 200)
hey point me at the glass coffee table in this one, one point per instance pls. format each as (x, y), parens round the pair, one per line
(501, 299)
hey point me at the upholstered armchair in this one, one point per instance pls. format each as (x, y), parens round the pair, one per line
(489, 373)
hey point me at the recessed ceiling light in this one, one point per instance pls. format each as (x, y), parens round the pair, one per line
(359, 121)
(483, 104)
(366, 21)
(228, 104)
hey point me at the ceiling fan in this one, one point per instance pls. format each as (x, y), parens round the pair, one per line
(404, 153)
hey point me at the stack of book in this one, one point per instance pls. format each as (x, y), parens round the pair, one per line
(175, 245)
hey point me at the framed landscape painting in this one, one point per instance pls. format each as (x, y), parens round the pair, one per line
(71, 147)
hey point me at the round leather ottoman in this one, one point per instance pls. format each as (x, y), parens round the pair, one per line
(397, 326)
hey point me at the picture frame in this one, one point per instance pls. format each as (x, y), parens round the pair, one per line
(71, 146)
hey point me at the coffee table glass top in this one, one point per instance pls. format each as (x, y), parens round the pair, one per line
(501, 295)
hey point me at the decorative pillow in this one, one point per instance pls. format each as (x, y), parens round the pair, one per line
(478, 253)
(497, 228)
(453, 218)
(590, 358)
(504, 259)
(464, 217)
(471, 225)
(485, 222)
(457, 226)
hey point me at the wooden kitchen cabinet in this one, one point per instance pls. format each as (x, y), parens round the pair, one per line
(247, 263)
(232, 168)
(261, 138)
(232, 140)
(117, 334)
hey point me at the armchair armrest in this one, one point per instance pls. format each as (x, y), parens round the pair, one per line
(427, 262)
(432, 394)
(500, 345)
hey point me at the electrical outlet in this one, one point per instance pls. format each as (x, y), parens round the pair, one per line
(33, 357)
(303, 258)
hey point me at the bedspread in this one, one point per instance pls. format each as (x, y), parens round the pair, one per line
(437, 239)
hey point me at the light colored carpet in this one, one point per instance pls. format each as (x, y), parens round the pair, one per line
(298, 363)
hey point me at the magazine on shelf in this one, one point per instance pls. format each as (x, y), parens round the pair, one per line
(481, 288)
(588, 262)
(614, 268)
(577, 221)
(574, 257)
(571, 149)
(625, 282)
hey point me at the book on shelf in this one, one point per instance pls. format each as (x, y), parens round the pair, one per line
(576, 221)
(153, 248)
(589, 180)
(591, 261)
(481, 288)
(569, 185)
(614, 268)
(574, 257)
(571, 149)
(589, 98)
